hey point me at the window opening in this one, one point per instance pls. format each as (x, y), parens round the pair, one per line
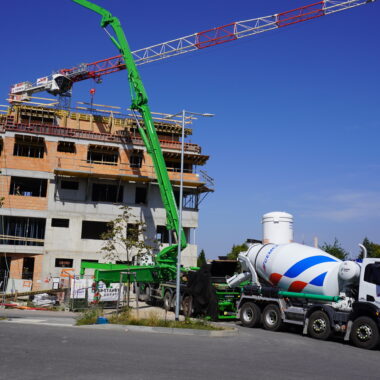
(66, 147)
(189, 201)
(162, 235)
(107, 193)
(29, 146)
(64, 263)
(133, 231)
(175, 166)
(56, 222)
(5, 264)
(93, 230)
(135, 160)
(103, 155)
(70, 185)
(16, 230)
(32, 187)
(28, 268)
(140, 196)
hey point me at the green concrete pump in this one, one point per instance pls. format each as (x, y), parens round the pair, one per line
(203, 291)
(166, 259)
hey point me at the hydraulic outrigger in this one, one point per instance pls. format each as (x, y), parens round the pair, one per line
(166, 260)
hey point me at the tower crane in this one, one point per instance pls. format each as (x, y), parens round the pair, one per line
(164, 268)
(61, 82)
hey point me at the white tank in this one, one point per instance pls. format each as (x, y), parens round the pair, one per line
(277, 228)
(297, 268)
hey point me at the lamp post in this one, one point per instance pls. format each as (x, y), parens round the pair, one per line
(184, 113)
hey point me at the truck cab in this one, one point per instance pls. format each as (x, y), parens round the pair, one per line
(369, 287)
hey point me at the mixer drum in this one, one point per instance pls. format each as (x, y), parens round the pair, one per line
(296, 268)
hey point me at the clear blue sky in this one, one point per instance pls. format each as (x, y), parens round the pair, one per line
(298, 118)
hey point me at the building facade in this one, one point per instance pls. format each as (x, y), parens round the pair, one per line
(65, 176)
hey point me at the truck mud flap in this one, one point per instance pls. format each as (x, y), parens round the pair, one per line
(348, 331)
(305, 326)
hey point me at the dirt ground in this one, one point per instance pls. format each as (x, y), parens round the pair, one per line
(143, 310)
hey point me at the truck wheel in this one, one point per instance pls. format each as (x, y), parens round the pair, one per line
(319, 325)
(174, 299)
(142, 293)
(187, 306)
(272, 318)
(250, 315)
(148, 296)
(365, 333)
(167, 300)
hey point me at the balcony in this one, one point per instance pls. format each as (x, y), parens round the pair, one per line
(122, 171)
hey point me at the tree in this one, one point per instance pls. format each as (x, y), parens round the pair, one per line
(123, 239)
(335, 249)
(201, 260)
(235, 250)
(373, 249)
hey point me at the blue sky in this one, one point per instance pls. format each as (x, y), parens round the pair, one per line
(297, 109)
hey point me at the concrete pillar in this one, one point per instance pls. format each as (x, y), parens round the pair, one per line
(37, 273)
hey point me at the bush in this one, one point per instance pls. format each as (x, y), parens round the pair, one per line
(153, 320)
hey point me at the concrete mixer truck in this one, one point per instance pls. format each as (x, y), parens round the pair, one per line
(300, 285)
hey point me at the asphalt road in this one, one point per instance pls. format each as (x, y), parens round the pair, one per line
(35, 351)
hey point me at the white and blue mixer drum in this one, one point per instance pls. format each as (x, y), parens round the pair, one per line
(296, 268)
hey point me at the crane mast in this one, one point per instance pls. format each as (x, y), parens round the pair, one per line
(61, 82)
(147, 131)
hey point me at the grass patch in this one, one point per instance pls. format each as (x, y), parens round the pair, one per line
(3, 318)
(89, 317)
(153, 320)
(125, 317)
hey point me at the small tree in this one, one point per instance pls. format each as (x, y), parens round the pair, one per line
(335, 249)
(235, 250)
(123, 238)
(201, 259)
(373, 249)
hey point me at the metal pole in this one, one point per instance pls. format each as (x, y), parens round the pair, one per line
(137, 295)
(118, 296)
(178, 289)
(129, 288)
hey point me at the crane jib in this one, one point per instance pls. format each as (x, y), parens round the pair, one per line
(197, 41)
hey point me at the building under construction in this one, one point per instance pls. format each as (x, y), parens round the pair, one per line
(65, 175)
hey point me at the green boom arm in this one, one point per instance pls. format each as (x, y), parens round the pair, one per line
(148, 132)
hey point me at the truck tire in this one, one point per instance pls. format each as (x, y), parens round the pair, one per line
(272, 320)
(148, 296)
(142, 290)
(319, 326)
(187, 305)
(250, 315)
(167, 300)
(365, 333)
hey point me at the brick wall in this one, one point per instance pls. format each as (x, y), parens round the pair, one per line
(16, 267)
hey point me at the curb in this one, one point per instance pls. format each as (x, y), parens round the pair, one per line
(143, 329)
(165, 330)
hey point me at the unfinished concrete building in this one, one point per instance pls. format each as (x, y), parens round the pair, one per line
(64, 177)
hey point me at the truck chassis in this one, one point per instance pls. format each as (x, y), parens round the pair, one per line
(320, 320)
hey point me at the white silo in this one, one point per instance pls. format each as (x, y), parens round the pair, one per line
(277, 228)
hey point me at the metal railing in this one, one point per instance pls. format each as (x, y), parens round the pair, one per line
(7, 124)
(117, 169)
